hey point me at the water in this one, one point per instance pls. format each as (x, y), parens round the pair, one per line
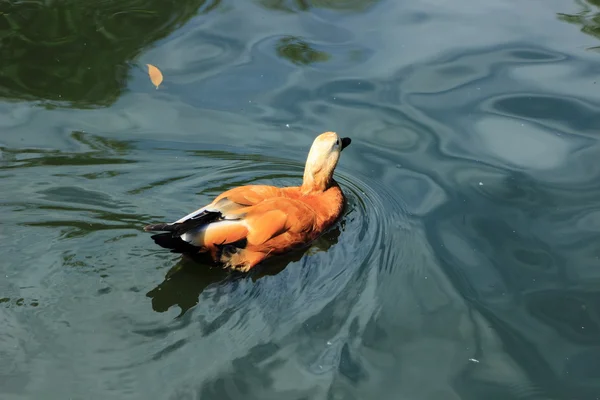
(465, 267)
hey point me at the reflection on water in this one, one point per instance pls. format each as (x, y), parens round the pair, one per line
(465, 265)
(79, 54)
(300, 52)
(307, 5)
(586, 16)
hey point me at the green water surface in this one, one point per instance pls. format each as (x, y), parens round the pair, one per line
(466, 265)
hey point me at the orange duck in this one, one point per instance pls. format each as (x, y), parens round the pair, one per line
(248, 224)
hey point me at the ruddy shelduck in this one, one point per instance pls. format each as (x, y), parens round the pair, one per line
(248, 224)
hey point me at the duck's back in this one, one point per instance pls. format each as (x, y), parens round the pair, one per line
(244, 225)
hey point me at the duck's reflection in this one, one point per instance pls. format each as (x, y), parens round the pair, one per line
(191, 275)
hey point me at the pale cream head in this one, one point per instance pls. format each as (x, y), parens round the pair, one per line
(322, 160)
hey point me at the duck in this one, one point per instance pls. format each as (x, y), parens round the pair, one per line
(246, 225)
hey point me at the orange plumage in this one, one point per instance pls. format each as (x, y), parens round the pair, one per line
(247, 224)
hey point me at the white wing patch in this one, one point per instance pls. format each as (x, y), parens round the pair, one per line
(191, 236)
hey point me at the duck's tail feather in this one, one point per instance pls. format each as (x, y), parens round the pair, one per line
(174, 243)
(179, 228)
(159, 228)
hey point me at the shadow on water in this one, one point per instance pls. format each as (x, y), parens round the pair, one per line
(79, 54)
(187, 279)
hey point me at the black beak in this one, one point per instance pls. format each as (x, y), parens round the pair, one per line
(346, 142)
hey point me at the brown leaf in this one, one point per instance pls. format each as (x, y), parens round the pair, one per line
(155, 75)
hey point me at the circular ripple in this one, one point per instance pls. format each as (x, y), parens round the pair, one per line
(301, 301)
(288, 286)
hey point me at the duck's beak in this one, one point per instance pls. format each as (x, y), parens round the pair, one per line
(346, 142)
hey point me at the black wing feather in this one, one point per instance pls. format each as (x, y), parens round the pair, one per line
(174, 243)
(178, 229)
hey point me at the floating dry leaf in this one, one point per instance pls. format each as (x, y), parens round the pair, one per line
(155, 75)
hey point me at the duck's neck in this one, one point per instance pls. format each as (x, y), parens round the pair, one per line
(315, 182)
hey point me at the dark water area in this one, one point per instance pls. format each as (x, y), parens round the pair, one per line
(466, 265)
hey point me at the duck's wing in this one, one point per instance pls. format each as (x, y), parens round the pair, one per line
(245, 196)
(224, 207)
(222, 221)
(243, 232)
(271, 226)
(254, 224)
(279, 216)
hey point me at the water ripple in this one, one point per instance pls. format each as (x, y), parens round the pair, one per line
(290, 292)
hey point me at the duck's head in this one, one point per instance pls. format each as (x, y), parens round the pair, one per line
(322, 160)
